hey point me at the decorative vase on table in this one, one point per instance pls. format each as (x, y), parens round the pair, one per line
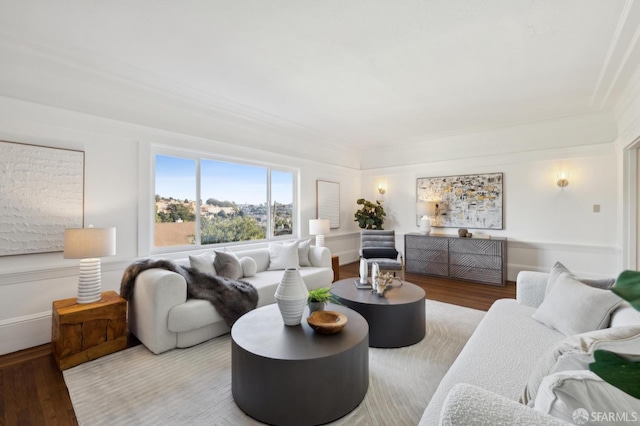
(291, 296)
(363, 271)
(375, 271)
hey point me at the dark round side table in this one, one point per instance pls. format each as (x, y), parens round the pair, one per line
(284, 375)
(395, 320)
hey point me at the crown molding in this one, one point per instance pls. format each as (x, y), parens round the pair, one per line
(606, 64)
(174, 99)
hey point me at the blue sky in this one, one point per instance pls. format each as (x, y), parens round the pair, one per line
(176, 177)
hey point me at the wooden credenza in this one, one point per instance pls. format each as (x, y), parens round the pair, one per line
(473, 259)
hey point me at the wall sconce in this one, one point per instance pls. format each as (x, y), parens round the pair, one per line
(381, 189)
(563, 179)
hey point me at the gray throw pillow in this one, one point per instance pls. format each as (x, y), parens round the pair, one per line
(303, 252)
(380, 253)
(559, 268)
(572, 307)
(228, 265)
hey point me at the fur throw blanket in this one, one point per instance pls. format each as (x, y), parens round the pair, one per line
(231, 298)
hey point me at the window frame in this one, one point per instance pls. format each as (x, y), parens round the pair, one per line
(198, 156)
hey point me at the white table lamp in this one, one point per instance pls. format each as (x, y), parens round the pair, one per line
(89, 245)
(319, 228)
(425, 222)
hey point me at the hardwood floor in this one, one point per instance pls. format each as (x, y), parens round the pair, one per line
(462, 293)
(33, 392)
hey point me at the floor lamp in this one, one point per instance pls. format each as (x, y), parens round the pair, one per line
(89, 245)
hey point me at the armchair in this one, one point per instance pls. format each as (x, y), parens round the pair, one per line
(378, 246)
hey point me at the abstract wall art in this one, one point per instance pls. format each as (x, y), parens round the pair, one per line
(328, 202)
(41, 194)
(469, 201)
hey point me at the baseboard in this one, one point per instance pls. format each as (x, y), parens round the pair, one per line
(347, 257)
(25, 332)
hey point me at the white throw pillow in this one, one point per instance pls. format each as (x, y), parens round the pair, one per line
(581, 396)
(558, 268)
(283, 256)
(576, 353)
(572, 307)
(203, 262)
(625, 315)
(249, 266)
(303, 252)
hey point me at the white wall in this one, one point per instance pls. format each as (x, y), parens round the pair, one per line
(542, 222)
(29, 284)
(627, 115)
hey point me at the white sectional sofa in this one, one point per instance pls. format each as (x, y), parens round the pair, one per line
(487, 380)
(162, 318)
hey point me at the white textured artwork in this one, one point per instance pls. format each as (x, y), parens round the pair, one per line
(328, 202)
(469, 201)
(41, 194)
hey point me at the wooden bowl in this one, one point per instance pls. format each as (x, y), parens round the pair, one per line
(327, 322)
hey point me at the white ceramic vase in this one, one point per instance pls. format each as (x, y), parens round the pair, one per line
(363, 271)
(425, 225)
(291, 296)
(375, 270)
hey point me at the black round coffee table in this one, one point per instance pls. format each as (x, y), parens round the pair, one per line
(395, 320)
(286, 375)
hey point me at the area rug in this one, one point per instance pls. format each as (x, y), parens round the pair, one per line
(193, 386)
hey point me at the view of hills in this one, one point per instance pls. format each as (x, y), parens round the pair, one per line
(220, 221)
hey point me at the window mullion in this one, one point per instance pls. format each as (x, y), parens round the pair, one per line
(198, 236)
(270, 215)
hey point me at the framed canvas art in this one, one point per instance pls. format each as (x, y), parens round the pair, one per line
(42, 193)
(465, 201)
(328, 202)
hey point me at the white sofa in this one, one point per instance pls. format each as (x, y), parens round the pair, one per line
(162, 318)
(488, 378)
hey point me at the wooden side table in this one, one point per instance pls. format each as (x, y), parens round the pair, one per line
(335, 265)
(83, 332)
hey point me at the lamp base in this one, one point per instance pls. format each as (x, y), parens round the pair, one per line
(89, 284)
(425, 225)
(319, 240)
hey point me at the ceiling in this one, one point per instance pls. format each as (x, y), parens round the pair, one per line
(357, 74)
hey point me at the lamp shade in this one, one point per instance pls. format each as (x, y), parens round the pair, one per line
(421, 208)
(431, 208)
(318, 226)
(83, 243)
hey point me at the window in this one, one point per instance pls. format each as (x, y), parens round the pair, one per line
(175, 217)
(281, 203)
(238, 202)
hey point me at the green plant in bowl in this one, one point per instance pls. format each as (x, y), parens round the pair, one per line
(621, 371)
(318, 297)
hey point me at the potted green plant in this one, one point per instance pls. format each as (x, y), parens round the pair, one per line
(370, 215)
(621, 371)
(318, 297)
